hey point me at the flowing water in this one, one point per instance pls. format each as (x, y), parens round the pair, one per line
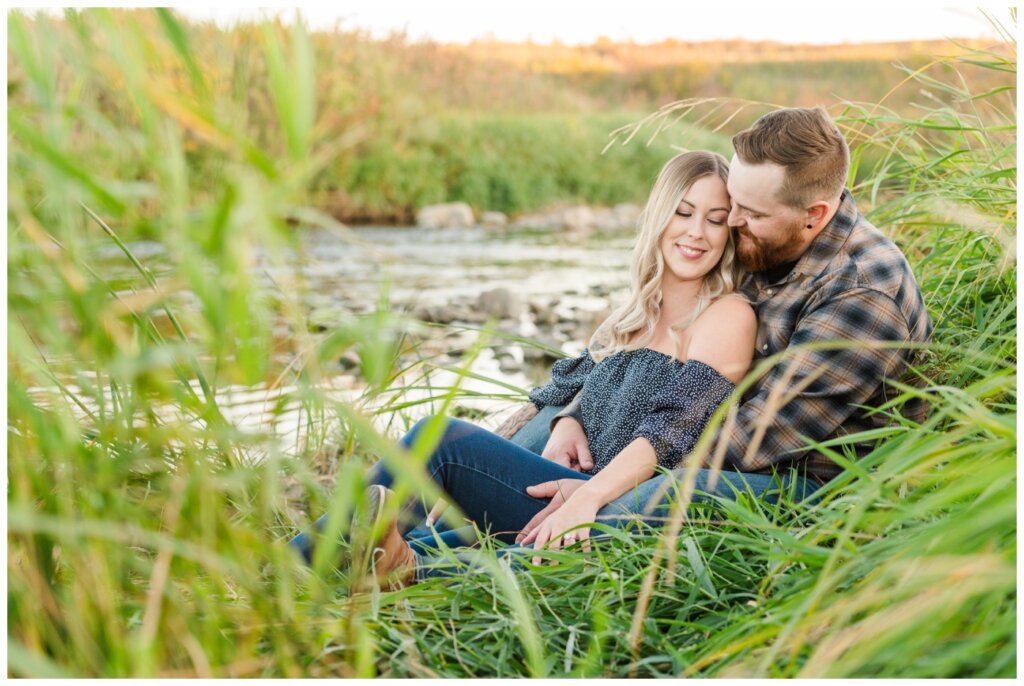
(555, 286)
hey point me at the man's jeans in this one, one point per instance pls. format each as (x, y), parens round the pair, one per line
(487, 476)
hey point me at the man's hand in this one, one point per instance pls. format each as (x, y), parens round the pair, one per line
(559, 491)
(568, 446)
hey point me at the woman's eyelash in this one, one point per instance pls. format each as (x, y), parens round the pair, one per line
(719, 222)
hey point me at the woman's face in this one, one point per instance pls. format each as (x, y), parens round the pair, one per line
(696, 236)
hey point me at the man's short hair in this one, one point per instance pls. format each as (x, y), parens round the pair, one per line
(807, 144)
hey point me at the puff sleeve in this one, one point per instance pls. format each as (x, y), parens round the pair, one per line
(679, 412)
(567, 378)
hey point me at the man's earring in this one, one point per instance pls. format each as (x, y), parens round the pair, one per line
(810, 226)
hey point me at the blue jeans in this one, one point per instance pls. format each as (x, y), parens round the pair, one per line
(487, 476)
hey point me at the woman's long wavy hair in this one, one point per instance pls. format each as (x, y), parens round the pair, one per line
(641, 311)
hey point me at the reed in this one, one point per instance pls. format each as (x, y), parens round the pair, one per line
(147, 525)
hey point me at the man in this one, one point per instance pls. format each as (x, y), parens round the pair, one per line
(818, 273)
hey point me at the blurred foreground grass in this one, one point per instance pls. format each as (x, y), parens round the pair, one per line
(144, 539)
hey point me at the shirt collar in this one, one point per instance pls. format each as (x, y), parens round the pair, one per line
(827, 244)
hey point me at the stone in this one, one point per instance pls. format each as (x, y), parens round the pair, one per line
(543, 312)
(582, 218)
(532, 354)
(510, 366)
(578, 219)
(627, 215)
(535, 221)
(622, 216)
(438, 314)
(454, 215)
(501, 303)
(510, 358)
(494, 220)
(349, 360)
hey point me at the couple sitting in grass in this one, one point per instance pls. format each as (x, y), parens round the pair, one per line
(733, 263)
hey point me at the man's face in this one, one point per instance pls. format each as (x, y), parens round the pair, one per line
(767, 232)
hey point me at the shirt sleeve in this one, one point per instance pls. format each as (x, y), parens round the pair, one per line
(679, 413)
(808, 396)
(574, 409)
(567, 378)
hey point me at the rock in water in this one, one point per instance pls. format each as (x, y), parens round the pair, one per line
(626, 215)
(494, 220)
(455, 215)
(531, 354)
(579, 219)
(501, 303)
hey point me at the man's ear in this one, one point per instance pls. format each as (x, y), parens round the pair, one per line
(817, 212)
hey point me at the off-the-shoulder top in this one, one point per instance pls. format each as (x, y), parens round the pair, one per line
(634, 394)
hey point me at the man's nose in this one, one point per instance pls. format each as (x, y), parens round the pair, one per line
(735, 218)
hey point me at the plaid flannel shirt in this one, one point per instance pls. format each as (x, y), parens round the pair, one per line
(851, 284)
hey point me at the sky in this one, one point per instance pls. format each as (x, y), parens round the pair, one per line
(643, 21)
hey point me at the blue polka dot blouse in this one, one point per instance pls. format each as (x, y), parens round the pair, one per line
(637, 393)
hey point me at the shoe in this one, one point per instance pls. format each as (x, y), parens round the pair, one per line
(393, 561)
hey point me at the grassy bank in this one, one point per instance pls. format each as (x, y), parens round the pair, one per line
(394, 124)
(144, 539)
(509, 163)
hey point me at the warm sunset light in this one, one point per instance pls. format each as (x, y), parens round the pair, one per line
(645, 21)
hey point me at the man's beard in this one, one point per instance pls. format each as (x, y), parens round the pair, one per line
(755, 255)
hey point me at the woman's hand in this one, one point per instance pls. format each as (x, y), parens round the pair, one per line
(568, 445)
(559, 491)
(554, 530)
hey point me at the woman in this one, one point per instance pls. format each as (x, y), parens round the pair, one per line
(654, 373)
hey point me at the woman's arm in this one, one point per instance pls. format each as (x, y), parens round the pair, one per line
(630, 467)
(634, 465)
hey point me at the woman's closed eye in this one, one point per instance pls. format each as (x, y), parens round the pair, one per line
(686, 214)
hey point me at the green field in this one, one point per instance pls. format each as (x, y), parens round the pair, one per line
(143, 540)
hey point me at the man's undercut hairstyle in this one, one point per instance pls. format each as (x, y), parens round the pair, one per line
(807, 145)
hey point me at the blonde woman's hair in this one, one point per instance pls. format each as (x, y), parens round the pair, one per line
(641, 311)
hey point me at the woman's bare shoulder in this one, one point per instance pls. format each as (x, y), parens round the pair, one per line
(732, 310)
(723, 336)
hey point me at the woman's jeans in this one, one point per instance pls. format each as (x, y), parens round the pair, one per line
(487, 476)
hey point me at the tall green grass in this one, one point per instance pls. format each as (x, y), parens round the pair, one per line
(509, 163)
(146, 526)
